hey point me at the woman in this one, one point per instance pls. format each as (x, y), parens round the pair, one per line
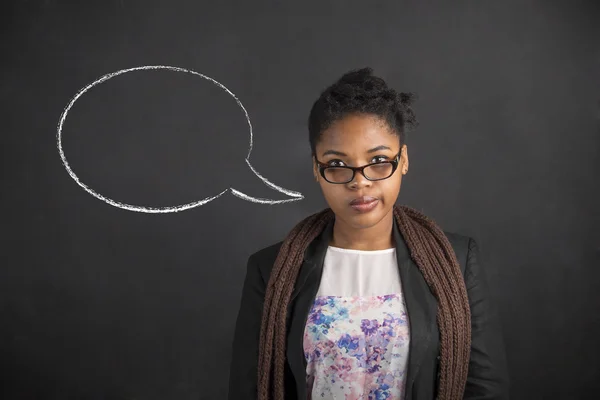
(366, 300)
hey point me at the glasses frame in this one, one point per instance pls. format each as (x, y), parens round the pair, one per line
(323, 167)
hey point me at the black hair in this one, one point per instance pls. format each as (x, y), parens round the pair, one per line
(361, 92)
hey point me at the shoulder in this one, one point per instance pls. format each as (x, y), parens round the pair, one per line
(461, 244)
(263, 259)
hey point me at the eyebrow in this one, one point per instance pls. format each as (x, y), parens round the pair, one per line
(339, 153)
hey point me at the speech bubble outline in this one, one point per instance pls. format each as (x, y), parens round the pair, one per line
(154, 210)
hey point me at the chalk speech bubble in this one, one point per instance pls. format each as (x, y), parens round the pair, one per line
(295, 196)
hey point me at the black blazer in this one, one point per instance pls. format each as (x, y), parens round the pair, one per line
(488, 375)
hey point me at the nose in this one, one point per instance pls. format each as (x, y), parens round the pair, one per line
(359, 181)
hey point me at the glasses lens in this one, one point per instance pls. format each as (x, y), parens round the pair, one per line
(338, 175)
(379, 171)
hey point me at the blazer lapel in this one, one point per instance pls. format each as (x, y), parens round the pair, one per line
(420, 305)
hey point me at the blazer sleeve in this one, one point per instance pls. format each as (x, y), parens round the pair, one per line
(243, 373)
(488, 373)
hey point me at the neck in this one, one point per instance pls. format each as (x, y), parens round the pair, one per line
(376, 237)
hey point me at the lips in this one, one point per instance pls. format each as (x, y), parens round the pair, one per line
(363, 200)
(364, 203)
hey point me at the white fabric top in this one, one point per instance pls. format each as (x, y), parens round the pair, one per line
(359, 273)
(357, 333)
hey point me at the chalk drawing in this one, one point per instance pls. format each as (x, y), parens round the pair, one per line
(295, 196)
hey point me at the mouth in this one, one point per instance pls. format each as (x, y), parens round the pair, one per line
(364, 203)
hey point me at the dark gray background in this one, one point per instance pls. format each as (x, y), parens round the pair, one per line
(101, 303)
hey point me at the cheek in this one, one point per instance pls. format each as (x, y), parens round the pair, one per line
(391, 188)
(333, 193)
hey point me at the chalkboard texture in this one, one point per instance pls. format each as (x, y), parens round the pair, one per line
(133, 294)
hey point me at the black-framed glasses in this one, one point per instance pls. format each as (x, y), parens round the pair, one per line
(374, 171)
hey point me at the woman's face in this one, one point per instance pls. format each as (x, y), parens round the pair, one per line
(355, 141)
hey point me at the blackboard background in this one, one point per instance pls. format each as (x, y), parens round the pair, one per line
(101, 303)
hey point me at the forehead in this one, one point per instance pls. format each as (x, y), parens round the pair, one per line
(357, 132)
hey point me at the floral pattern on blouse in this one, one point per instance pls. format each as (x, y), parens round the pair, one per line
(356, 347)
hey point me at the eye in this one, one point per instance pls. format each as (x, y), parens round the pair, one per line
(335, 163)
(378, 159)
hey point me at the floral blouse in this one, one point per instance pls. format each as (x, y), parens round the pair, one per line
(357, 333)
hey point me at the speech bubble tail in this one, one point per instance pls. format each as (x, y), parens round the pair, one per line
(270, 184)
(261, 200)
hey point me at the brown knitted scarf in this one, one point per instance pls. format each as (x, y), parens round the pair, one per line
(434, 256)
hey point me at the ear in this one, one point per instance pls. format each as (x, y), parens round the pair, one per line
(404, 160)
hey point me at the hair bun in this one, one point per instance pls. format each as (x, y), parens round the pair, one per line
(356, 76)
(406, 99)
(359, 91)
(362, 82)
